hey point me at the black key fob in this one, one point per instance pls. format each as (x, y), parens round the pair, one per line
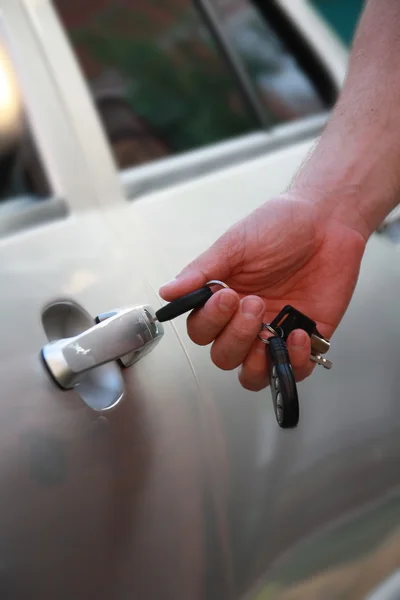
(184, 304)
(283, 384)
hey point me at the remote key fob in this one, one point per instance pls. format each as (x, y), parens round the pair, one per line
(283, 384)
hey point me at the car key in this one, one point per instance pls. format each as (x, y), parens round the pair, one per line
(282, 382)
(283, 385)
(184, 304)
(180, 306)
(290, 319)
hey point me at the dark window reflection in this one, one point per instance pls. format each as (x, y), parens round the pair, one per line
(156, 75)
(22, 177)
(283, 88)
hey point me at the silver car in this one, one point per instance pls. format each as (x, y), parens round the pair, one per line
(132, 134)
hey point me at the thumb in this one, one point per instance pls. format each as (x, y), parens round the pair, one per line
(214, 263)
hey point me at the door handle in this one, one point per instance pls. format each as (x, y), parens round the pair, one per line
(125, 335)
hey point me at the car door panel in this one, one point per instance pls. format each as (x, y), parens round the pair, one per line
(87, 497)
(279, 487)
(86, 477)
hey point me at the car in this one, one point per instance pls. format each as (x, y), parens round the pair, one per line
(132, 136)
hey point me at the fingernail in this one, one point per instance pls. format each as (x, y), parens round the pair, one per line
(227, 301)
(168, 283)
(298, 339)
(251, 308)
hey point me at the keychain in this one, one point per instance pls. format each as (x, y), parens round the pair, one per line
(282, 380)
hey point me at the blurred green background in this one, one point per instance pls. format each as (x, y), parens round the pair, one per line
(342, 15)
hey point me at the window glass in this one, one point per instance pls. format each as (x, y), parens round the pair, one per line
(283, 88)
(157, 78)
(22, 176)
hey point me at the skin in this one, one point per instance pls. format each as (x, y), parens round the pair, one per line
(343, 192)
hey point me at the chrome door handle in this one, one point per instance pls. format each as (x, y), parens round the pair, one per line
(125, 335)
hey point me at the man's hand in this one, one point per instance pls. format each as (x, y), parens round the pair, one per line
(308, 252)
(283, 253)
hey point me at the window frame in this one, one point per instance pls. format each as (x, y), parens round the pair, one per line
(17, 213)
(159, 174)
(46, 97)
(134, 182)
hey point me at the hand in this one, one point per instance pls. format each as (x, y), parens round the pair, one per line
(285, 252)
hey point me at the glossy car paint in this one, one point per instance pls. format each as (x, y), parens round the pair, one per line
(188, 489)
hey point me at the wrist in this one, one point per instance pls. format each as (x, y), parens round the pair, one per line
(339, 203)
(353, 184)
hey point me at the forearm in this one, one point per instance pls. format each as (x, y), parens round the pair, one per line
(354, 171)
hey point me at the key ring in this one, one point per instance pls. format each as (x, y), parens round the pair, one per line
(277, 332)
(217, 282)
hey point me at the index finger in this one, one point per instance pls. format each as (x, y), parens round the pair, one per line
(180, 286)
(205, 324)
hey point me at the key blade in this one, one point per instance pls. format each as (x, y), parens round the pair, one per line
(319, 344)
(321, 360)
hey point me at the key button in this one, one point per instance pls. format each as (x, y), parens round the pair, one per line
(277, 383)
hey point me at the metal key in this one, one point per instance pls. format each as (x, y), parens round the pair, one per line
(290, 319)
(321, 360)
(282, 381)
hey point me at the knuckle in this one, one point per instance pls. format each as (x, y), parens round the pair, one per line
(198, 337)
(215, 320)
(221, 359)
(196, 331)
(252, 370)
(204, 327)
(243, 335)
(253, 378)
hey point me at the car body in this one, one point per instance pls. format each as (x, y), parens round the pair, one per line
(188, 488)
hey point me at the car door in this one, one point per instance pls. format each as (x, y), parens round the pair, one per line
(273, 490)
(86, 499)
(187, 489)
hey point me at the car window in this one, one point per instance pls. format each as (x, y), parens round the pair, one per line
(161, 84)
(156, 76)
(285, 91)
(22, 178)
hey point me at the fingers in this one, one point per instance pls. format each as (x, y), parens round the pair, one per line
(235, 341)
(299, 346)
(212, 264)
(183, 285)
(205, 324)
(253, 374)
(233, 324)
